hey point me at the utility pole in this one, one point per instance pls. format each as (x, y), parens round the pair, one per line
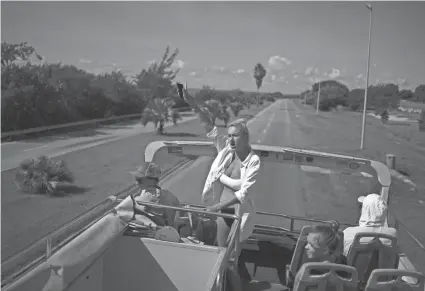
(367, 78)
(318, 99)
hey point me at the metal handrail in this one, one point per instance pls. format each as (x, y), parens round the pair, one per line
(183, 209)
(398, 224)
(295, 218)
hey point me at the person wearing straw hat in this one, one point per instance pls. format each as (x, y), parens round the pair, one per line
(147, 177)
(372, 219)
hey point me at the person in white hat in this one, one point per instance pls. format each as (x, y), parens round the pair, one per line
(147, 177)
(372, 219)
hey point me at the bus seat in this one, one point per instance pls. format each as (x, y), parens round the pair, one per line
(325, 277)
(299, 256)
(368, 253)
(396, 283)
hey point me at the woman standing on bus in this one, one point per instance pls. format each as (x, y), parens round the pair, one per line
(232, 173)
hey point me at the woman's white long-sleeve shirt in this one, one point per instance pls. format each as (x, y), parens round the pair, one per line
(213, 188)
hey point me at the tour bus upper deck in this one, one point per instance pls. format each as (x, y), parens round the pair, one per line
(263, 257)
(113, 254)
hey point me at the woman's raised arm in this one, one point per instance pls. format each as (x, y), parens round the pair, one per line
(220, 141)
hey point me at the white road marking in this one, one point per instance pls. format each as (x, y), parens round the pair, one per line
(39, 147)
(8, 143)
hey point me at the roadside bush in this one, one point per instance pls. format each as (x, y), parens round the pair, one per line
(42, 175)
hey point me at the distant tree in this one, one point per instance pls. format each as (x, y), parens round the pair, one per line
(16, 52)
(419, 94)
(156, 81)
(406, 94)
(332, 94)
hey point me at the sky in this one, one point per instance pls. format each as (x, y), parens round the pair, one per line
(220, 42)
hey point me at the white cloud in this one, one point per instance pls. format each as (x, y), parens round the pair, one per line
(282, 80)
(308, 71)
(84, 61)
(151, 62)
(311, 70)
(295, 74)
(333, 73)
(312, 80)
(278, 62)
(403, 82)
(178, 64)
(218, 69)
(239, 71)
(359, 80)
(193, 74)
(360, 77)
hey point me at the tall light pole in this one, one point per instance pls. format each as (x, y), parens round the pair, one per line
(367, 78)
(318, 99)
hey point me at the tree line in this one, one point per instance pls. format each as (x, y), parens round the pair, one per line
(380, 97)
(38, 94)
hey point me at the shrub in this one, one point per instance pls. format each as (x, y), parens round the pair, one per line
(40, 175)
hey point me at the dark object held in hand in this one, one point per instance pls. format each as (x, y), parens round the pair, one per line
(180, 90)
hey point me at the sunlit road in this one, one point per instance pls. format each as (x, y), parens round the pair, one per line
(289, 189)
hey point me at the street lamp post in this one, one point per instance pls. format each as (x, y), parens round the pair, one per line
(367, 78)
(318, 99)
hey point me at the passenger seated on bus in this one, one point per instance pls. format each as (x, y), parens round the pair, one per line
(322, 246)
(147, 177)
(372, 219)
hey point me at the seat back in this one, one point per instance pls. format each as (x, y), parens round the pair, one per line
(326, 277)
(368, 253)
(396, 282)
(299, 256)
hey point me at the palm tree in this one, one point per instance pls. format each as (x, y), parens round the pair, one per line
(259, 74)
(159, 111)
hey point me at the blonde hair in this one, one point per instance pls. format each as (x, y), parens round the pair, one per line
(240, 125)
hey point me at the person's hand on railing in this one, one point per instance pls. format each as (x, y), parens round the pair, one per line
(213, 208)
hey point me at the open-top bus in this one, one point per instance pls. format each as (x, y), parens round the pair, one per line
(105, 249)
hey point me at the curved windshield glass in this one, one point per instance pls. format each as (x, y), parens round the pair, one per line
(283, 188)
